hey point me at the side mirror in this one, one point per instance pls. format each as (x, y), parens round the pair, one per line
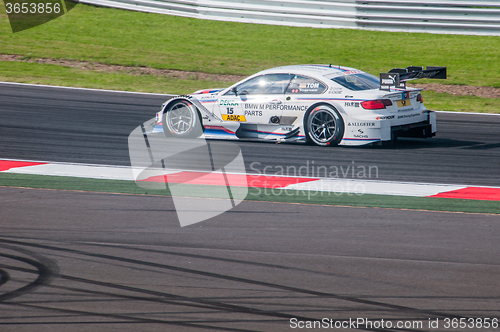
(234, 90)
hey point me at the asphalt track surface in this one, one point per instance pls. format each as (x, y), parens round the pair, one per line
(82, 126)
(75, 261)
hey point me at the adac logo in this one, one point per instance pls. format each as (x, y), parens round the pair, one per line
(26, 14)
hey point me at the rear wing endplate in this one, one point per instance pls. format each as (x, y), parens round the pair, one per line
(397, 77)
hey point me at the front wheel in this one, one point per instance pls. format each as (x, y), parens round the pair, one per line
(324, 126)
(181, 120)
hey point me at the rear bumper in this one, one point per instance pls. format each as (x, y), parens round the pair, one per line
(422, 129)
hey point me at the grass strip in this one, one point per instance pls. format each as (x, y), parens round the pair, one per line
(34, 73)
(448, 102)
(254, 194)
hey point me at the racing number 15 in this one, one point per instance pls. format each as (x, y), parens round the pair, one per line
(230, 110)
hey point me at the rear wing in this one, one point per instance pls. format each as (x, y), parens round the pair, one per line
(397, 77)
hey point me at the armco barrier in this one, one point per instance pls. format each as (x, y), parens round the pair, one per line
(435, 16)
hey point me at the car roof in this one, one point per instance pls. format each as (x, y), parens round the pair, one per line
(319, 70)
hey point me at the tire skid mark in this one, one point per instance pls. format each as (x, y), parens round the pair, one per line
(47, 270)
(161, 297)
(240, 261)
(129, 318)
(179, 300)
(126, 318)
(395, 307)
(4, 276)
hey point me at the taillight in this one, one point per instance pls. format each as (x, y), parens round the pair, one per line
(376, 104)
(420, 98)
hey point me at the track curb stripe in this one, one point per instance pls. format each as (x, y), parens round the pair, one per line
(337, 185)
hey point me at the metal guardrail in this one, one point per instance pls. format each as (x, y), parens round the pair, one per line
(436, 16)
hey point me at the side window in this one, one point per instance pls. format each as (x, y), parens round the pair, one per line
(263, 85)
(305, 85)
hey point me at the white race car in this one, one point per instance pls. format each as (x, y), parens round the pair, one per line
(321, 104)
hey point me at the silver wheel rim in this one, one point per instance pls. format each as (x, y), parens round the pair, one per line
(322, 126)
(180, 119)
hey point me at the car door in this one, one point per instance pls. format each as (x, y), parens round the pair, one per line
(258, 100)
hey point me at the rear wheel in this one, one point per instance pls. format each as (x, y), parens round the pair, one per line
(324, 126)
(181, 119)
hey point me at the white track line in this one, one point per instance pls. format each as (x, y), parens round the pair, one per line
(97, 90)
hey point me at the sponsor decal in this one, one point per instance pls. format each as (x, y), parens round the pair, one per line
(388, 80)
(309, 85)
(253, 113)
(335, 91)
(360, 134)
(385, 117)
(228, 103)
(308, 90)
(351, 72)
(405, 95)
(254, 106)
(233, 117)
(287, 128)
(286, 107)
(352, 104)
(361, 124)
(408, 115)
(273, 107)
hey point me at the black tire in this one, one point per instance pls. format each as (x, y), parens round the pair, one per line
(181, 119)
(324, 125)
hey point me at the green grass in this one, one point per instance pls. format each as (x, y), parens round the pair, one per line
(255, 194)
(22, 72)
(111, 36)
(447, 102)
(140, 39)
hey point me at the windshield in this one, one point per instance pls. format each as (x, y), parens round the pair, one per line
(358, 82)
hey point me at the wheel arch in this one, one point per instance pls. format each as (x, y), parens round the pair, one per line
(188, 99)
(340, 110)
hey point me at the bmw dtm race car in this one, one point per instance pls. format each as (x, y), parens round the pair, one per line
(321, 104)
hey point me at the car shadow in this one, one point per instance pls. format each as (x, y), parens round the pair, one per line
(418, 143)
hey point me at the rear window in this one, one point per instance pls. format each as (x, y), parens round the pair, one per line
(358, 82)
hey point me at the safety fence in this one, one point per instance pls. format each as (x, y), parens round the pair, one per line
(436, 16)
